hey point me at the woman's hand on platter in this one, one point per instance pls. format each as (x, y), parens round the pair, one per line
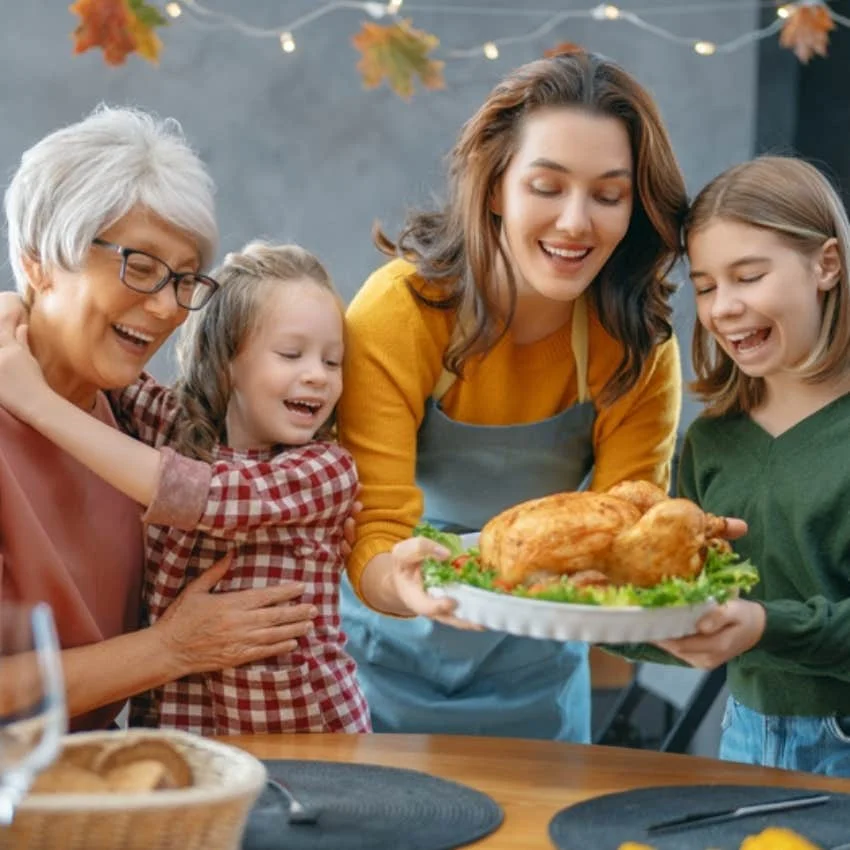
(21, 380)
(406, 577)
(205, 631)
(722, 634)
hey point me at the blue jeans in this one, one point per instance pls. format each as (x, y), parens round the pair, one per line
(811, 744)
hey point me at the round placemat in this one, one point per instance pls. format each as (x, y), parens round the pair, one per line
(369, 807)
(604, 823)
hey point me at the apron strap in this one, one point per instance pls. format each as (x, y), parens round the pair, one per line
(578, 341)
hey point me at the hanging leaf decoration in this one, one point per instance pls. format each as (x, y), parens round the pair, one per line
(118, 27)
(806, 31)
(145, 20)
(397, 53)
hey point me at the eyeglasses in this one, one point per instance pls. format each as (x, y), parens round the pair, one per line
(143, 272)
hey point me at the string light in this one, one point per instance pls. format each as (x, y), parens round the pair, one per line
(200, 15)
(173, 10)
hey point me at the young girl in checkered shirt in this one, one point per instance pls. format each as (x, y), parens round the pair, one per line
(260, 379)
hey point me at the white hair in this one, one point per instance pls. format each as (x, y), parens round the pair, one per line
(82, 179)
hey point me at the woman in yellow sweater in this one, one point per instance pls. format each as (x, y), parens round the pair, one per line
(523, 346)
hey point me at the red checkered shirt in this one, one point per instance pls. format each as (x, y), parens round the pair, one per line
(281, 512)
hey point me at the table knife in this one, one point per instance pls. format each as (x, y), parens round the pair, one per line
(703, 818)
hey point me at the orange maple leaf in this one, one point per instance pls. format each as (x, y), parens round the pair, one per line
(806, 31)
(564, 47)
(396, 53)
(106, 24)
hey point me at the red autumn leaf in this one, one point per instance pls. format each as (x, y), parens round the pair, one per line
(106, 24)
(806, 31)
(564, 47)
(397, 53)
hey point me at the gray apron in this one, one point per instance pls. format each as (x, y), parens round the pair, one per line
(420, 676)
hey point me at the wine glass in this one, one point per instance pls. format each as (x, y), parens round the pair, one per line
(33, 716)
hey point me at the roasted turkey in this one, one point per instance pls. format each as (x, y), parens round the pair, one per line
(631, 534)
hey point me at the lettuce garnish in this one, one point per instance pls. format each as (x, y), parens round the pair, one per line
(724, 576)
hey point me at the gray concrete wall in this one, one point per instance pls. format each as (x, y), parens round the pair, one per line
(301, 152)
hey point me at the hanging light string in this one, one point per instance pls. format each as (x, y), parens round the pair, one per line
(207, 18)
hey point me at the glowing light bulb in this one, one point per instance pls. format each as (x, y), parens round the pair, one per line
(287, 42)
(491, 51)
(705, 48)
(173, 10)
(610, 12)
(393, 6)
(786, 11)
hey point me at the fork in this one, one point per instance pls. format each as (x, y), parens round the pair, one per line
(296, 810)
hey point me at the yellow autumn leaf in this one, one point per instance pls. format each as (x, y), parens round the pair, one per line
(148, 44)
(397, 53)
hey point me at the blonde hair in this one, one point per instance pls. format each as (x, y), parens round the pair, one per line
(212, 337)
(454, 248)
(796, 202)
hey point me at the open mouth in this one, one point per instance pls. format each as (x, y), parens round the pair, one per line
(565, 255)
(305, 409)
(133, 337)
(749, 341)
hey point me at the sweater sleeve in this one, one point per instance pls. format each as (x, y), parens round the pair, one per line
(394, 358)
(146, 409)
(636, 435)
(302, 486)
(808, 638)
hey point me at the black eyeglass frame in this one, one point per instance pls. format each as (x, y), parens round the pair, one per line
(172, 276)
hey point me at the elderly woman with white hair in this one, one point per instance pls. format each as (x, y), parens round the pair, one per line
(111, 222)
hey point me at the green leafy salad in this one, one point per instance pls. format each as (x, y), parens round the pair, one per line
(723, 576)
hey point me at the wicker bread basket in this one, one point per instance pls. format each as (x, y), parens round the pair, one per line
(210, 815)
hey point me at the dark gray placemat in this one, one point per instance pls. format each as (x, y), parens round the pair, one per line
(368, 807)
(604, 823)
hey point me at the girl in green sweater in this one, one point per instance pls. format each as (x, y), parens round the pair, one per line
(768, 243)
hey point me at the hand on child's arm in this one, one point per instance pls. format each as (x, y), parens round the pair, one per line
(207, 631)
(722, 634)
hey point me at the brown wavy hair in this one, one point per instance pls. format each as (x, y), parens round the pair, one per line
(212, 337)
(795, 201)
(454, 248)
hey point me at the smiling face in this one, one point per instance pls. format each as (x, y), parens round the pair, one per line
(88, 330)
(287, 376)
(759, 297)
(565, 200)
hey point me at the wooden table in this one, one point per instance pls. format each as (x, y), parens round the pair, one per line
(531, 780)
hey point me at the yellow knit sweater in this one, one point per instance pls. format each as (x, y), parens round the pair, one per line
(394, 354)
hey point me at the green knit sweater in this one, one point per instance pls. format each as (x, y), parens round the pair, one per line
(794, 492)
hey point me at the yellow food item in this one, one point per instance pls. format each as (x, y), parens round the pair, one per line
(778, 838)
(773, 838)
